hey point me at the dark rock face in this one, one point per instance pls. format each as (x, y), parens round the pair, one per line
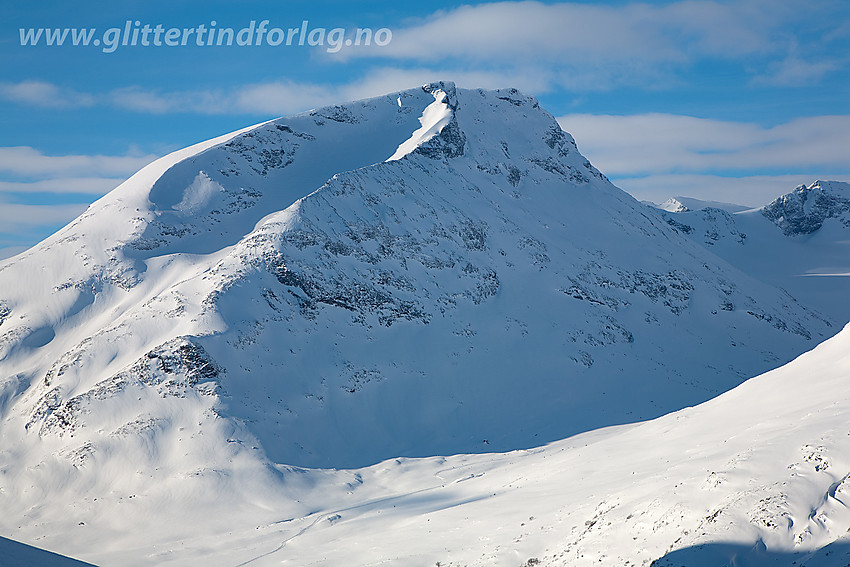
(804, 210)
(171, 369)
(5, 311)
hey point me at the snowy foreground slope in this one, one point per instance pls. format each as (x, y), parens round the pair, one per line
(434, 272)
(757, 476)
(799, 242)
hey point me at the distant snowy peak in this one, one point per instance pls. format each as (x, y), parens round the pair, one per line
(673, 205)
(685, 204)
(804, 210)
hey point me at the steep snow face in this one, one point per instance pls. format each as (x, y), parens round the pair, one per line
(287, 294)
(798, 242)
(434, 118)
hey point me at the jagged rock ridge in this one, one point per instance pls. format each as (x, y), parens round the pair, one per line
(804, 210)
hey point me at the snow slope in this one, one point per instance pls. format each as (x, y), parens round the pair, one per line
(757, 476)
(799, 242)
(432, 272)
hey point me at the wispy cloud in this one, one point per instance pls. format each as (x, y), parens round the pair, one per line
(656, 156)
(44, 94)
(154, 101)
(28, 162)
(584, 33)
(587, 47)
(538, 47)
(287, 97)
(22, 225)
(794, 71)
(275, 97)
(63, 185)
(15, 218)
(80, 178)
(667, 143)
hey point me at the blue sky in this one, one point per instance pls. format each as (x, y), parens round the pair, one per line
(735, 101)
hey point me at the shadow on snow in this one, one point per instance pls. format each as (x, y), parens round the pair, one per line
(756, 555)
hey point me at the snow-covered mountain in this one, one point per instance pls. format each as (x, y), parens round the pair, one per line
(685, 204)
(800, 242)
(807, 208)
(432, 272)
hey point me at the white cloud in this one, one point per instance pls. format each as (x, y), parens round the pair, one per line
(19, 218)
(44, 94)
(84, 185)
(257, 98)
(587, 47)
(538, 47)
(658, 156)
(795, 72)
(25, 161)
(22, 225)
(138, 99)
(585, 33)
(278, 97)
(281, 97)
(286, 97)
(666, 143)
